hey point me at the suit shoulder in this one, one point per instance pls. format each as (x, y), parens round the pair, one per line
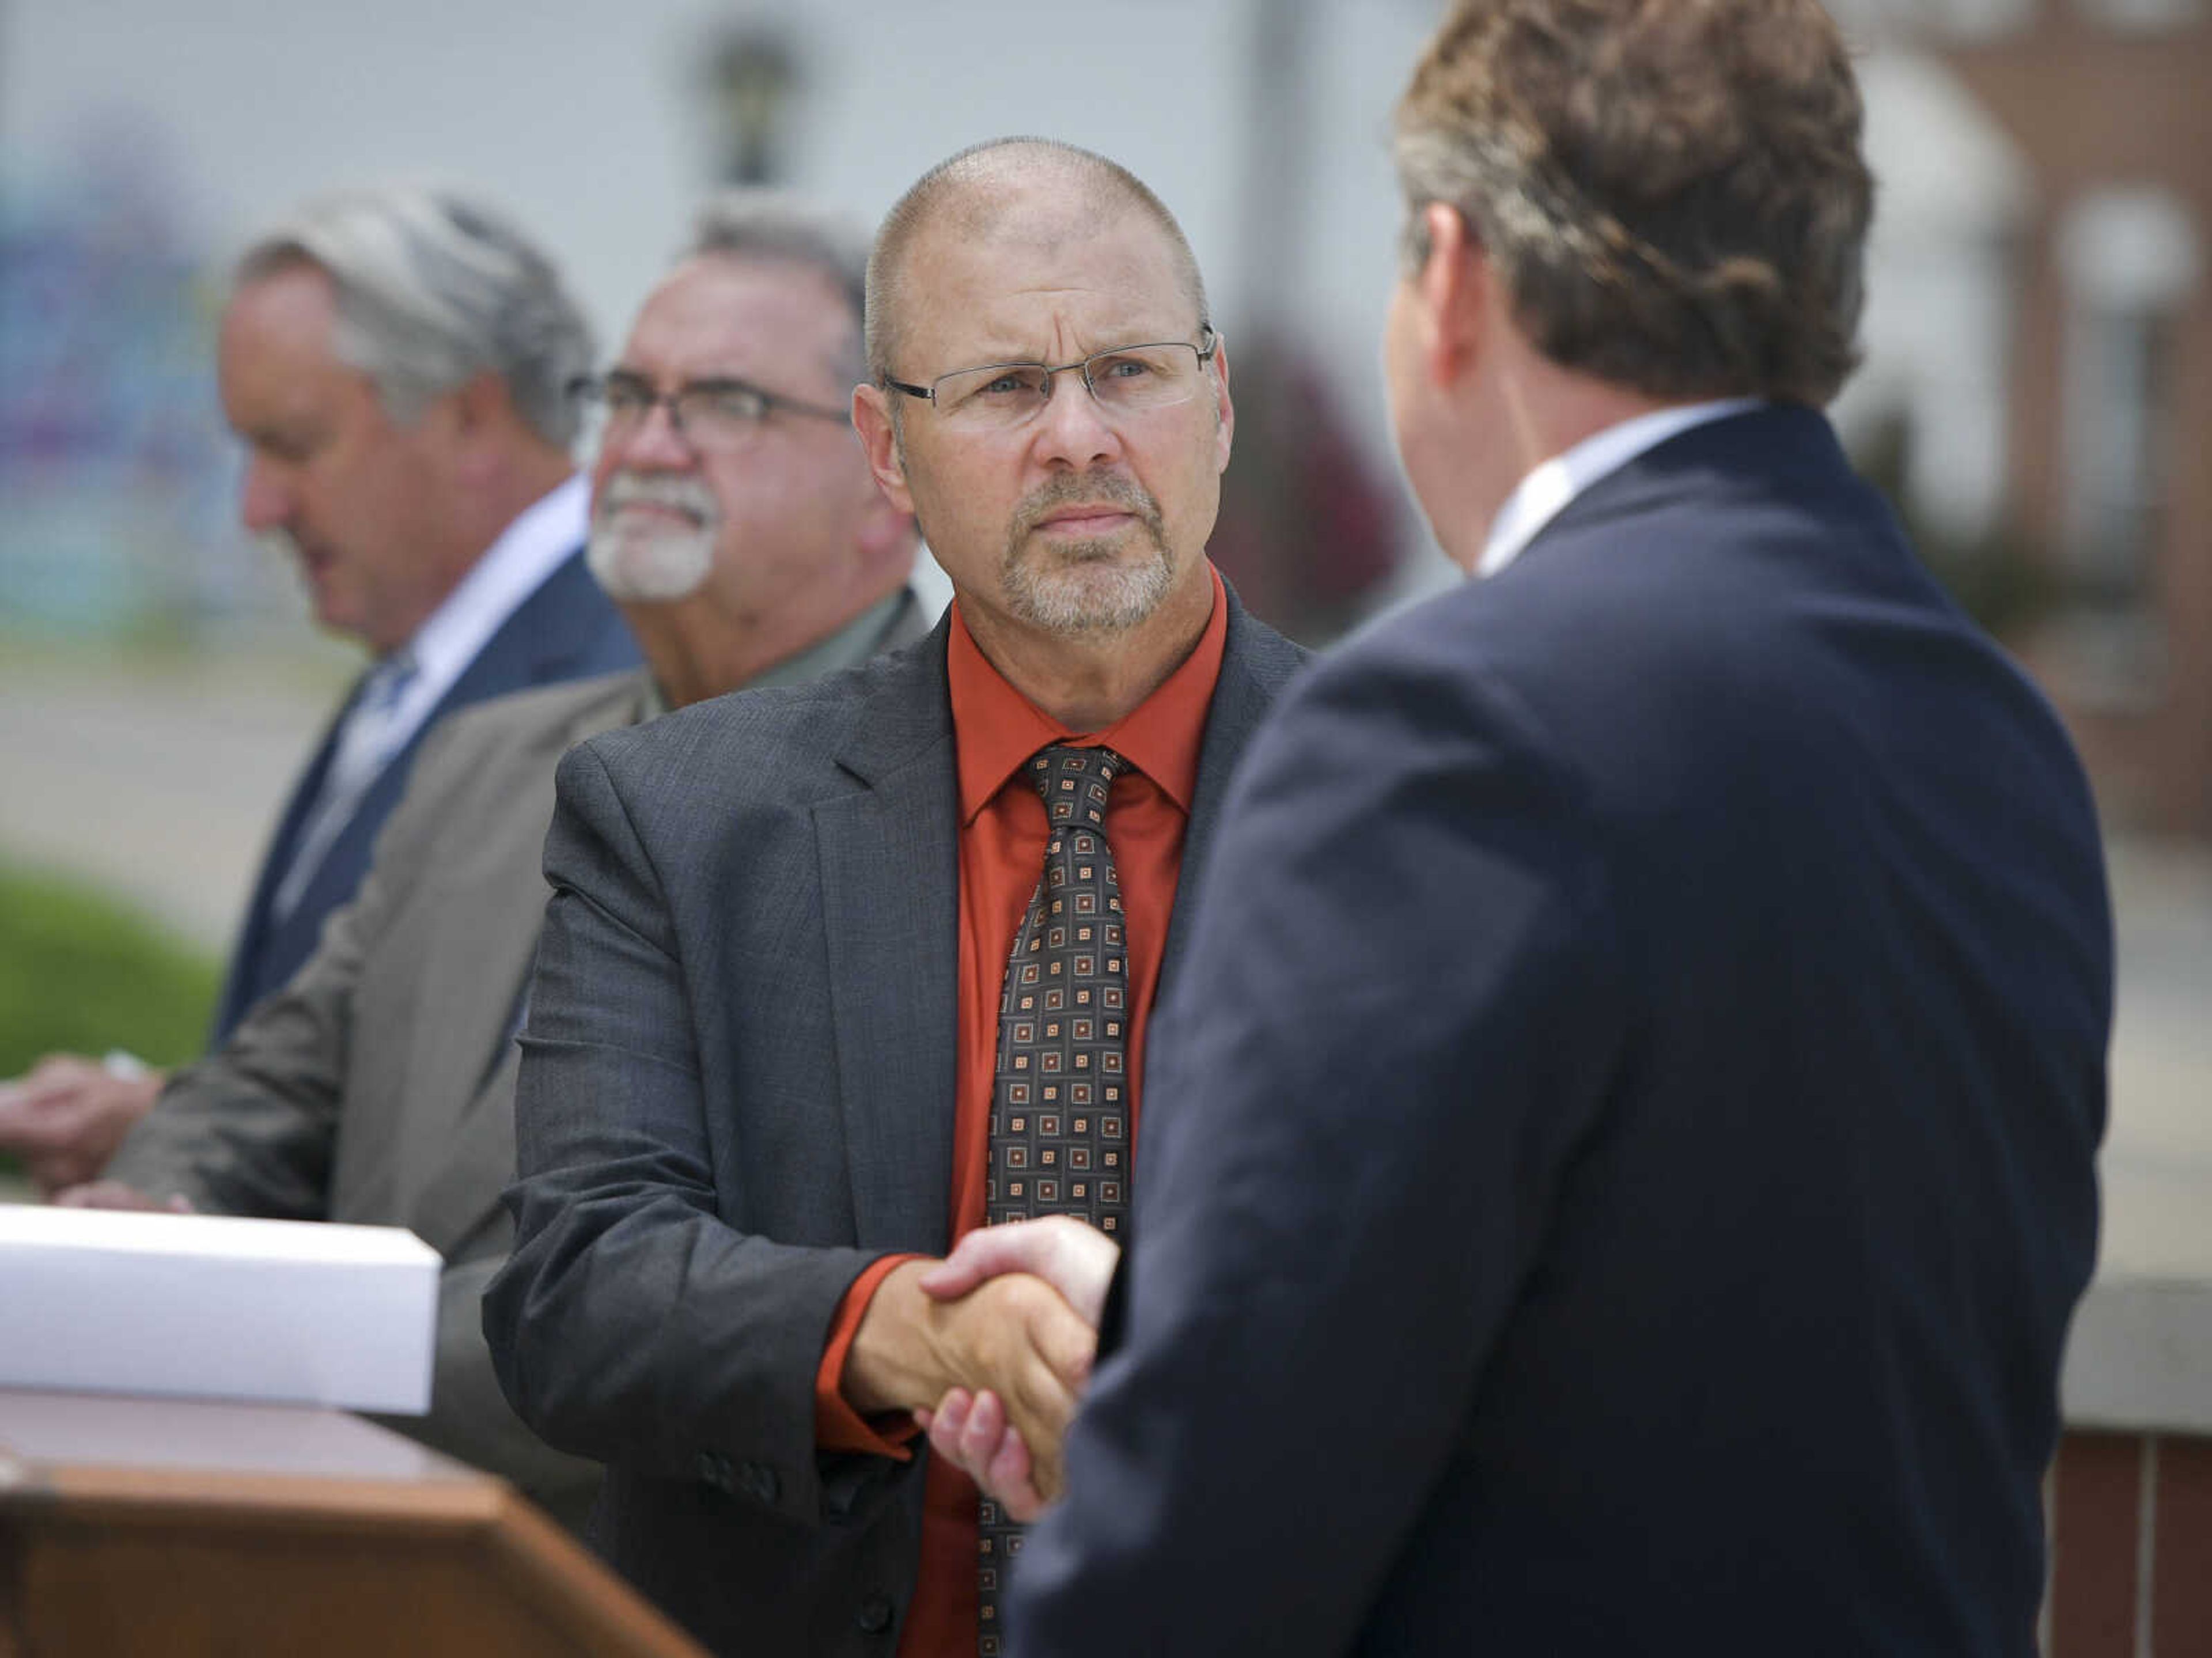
(1270, 658)
(770, 738)
(1439, 638)
(470, 735)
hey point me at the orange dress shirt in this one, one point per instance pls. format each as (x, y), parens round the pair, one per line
(1002, 834)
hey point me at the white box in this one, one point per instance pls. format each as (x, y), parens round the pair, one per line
(216, 1307)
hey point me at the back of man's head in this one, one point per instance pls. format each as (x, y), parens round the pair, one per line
(1672, 191)
(431, 290)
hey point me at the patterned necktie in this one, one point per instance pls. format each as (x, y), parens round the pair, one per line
(1060, 1119)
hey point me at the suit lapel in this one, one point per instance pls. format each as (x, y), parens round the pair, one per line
(553, 634)
(239, 990)
(890, 883)
(565, 629)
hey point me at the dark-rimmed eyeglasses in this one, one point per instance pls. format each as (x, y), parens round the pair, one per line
(709, 414)
(1127, 379)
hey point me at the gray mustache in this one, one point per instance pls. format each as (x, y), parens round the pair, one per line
(684, 494)
(1108, 489)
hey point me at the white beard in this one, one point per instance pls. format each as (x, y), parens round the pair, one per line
(643, 559)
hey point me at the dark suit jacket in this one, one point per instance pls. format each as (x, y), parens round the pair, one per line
(567, 630)
(1618, 1161)
(737, 1091)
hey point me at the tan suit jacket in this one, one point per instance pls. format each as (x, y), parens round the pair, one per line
(378, 1087)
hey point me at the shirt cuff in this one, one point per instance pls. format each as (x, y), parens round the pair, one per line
(837, 1425)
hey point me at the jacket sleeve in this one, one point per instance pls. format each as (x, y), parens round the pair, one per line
(470, 1417)
(632, 1323)
(252, 1127)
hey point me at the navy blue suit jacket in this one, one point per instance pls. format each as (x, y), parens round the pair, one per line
(1618, 1161)
(568, 630)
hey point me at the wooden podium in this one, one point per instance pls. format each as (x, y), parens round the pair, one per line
(187, 1528)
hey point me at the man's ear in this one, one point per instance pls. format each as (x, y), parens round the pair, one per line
(1224, 410)
(1452, 291)
(467, 419)
(483, 400)
(871, 419)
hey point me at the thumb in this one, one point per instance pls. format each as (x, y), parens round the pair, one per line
(1065, 1342)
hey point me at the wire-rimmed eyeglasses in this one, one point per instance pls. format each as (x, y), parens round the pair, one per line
(1125, 379)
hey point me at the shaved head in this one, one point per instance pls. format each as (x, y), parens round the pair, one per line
(971, 196)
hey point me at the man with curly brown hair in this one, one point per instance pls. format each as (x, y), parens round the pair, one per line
(1621, 1151)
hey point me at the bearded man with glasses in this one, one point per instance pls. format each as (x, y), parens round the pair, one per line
(834, 976)
(737, 528)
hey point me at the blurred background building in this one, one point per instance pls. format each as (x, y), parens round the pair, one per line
(2039, 376)
(2039, 336)
(2046, 367)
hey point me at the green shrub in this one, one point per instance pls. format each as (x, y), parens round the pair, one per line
(81, 972)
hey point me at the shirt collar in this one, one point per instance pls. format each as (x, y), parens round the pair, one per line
(996, 728)
(1544, 493)
(511, 568)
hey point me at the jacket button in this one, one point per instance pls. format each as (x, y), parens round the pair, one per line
(759, 1482)
(875, 1614)
(714, 1470)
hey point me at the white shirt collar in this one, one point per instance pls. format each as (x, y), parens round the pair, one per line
(511, 568)
(1544, 493)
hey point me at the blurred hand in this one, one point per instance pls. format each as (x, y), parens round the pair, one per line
(66, 1118)
(114, 1194)
(1075, 1259)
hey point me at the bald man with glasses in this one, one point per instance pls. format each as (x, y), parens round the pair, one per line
(834, 976)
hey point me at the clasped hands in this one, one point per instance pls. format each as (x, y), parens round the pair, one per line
(989, 1350)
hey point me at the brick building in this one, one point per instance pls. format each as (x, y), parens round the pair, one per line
(2108, 446)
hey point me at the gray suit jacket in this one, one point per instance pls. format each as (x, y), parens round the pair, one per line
(737, 1091)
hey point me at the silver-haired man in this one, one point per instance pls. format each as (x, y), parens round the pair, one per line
(737, 524)
(397, 361)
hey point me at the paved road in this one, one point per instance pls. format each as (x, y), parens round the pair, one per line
(159, 783)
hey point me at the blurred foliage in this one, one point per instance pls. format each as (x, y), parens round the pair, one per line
(81, 972)
(2002, 578)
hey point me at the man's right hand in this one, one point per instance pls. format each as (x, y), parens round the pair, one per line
(65, 1117)
(1013, 1336)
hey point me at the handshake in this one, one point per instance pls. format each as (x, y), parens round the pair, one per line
(989, 1351)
